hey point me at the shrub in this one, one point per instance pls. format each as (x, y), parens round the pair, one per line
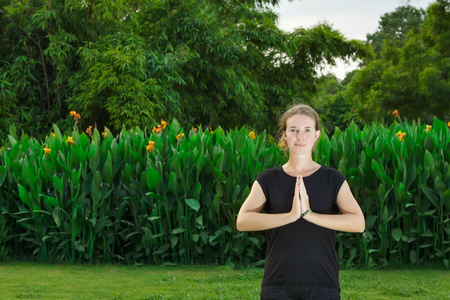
(170, 196)
(138, 197)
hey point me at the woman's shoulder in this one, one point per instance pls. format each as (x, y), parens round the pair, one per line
(329, 169)
(275, 171)
(332, 172)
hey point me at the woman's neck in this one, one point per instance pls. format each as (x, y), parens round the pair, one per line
(300, 165)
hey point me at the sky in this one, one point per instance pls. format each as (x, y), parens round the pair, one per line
(353, 18)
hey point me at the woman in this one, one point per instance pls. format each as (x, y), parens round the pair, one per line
(300, 205)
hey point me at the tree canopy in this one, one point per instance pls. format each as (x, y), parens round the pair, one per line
(412, 72)
(127, 63)
(394, 26)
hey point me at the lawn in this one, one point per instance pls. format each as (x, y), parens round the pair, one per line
(63, 281)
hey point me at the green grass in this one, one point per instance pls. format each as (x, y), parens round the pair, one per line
(62, 281)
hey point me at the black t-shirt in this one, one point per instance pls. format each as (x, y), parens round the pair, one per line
(301, 251)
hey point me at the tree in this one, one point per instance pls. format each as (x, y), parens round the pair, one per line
(412, 77)
(334, 107)
(394, 26)
(127, 63)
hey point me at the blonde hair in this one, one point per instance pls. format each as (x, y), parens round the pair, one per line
(297, 109)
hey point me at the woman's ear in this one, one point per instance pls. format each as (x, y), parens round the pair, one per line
(317, 134)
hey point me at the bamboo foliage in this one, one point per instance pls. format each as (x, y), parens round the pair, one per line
(172, 196)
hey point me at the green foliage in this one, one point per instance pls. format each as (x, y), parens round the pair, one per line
(332, 104)
(393, 27)
(412, 74)
(403, 189)
(110, 199)
(133, 62)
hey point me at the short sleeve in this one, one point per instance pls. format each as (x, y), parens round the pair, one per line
(337, 179)
(262, 180)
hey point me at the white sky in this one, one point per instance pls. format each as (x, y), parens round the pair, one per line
(353, 18)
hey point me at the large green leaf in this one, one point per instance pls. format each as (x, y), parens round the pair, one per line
(94, 157)
(57, 215)
(95, 190)
(24, 196)
(397, 234)
(50, 201)
(153, 178)
(431, 195)
(78, 154)
(173, 183)
(163, 248)
(428, 160)
(197, 191)
(107, 172)
(193, 203)
(58, 184)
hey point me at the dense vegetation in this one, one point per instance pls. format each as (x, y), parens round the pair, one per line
(137, 195)
(131, 63)
(409, 72)
(169, 196)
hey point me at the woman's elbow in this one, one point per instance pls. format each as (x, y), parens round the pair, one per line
(361, 225)
(357, 224)
(240, 224)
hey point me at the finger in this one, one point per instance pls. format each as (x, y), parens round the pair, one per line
(302, 184)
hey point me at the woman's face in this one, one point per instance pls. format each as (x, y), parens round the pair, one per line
(301, 134)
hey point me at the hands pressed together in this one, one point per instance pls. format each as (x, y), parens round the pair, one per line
(300, 203)
(251, 217)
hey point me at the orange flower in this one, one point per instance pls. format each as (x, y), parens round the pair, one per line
(163, 123)
(150, 146)
(75, 116)
(180, 136)
(401, 135)
(89, 131)
(428, 128)
(47, 151)
(395, 113)
(448, 124)
(282, 145)
(106, 133)
(210, 129)
(195, 129)
(53, 134)
(70, 140)
(251, 135)
(157, 129)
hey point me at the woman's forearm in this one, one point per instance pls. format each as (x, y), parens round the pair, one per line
(256, 221)
(348, 222)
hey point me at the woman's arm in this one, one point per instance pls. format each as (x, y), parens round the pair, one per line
(250, 217)
(351, 218)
